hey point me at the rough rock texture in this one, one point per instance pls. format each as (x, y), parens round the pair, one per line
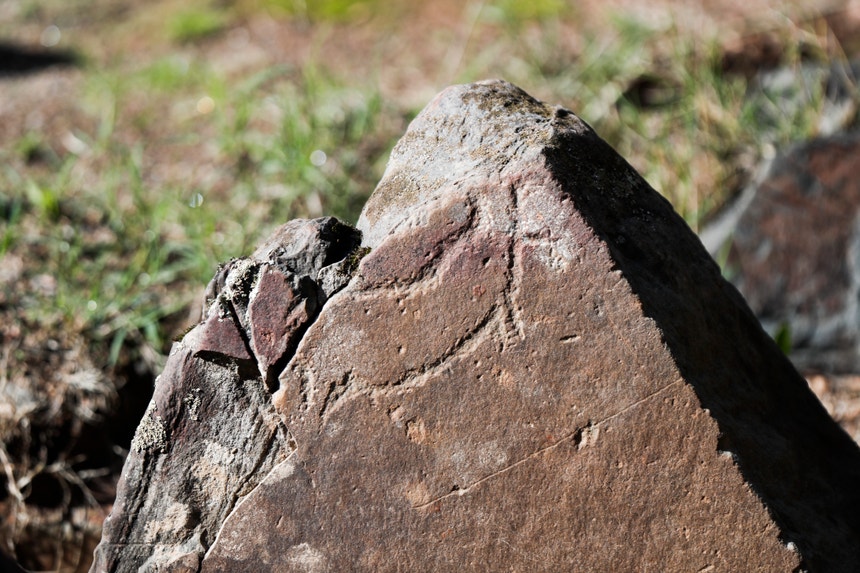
(793, 245)
(211, 432)
(537, 367)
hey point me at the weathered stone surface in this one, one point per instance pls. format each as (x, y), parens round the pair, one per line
(211, 432)
(793, 243)
(537, 367)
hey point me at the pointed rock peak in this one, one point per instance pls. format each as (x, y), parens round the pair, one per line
(536, 367)
(467, 132)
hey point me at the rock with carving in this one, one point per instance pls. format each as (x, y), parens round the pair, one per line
(536, 367)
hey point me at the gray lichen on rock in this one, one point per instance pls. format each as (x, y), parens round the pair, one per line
(192, 403)
(151, 434)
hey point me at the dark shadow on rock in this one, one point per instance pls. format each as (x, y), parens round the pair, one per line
(800, 463)
(19, 60)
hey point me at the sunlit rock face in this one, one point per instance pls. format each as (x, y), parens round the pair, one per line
(529, 364)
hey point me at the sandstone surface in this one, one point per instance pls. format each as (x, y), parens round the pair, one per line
(536, 367)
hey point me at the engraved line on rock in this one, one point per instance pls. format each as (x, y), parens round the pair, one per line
(576, 436)
(513, 272)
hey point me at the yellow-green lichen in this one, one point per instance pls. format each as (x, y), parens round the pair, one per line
(354, 258)
(192, 403)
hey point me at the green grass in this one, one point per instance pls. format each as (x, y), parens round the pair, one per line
(130, 248)
(323, 11)
(196, 23)
(129, 251)
(515, 14)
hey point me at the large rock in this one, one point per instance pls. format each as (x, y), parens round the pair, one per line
(792, 247)
(211, 433)
(537, 367)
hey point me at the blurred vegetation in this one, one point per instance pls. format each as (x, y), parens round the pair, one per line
(126, 251)
(195, 24)
(129, 242)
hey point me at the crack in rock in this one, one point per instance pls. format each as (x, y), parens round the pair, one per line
(211, 433)
(581, 438)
